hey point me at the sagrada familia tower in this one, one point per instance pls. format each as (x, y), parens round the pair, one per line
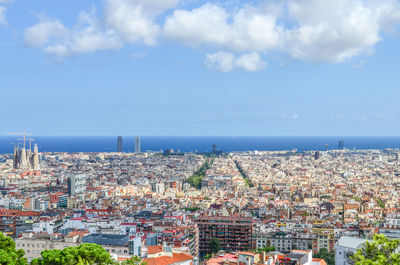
(25, 159)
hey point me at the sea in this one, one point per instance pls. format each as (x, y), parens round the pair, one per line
(74, 144)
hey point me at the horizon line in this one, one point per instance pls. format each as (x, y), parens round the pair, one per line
(233, 136)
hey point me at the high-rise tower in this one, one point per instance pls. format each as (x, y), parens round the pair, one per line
(341, 145)
(214, 148)
(137, 144)
(316, 155)
(119, 144)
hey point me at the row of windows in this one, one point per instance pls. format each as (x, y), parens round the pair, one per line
(29, 245)
(33, 251)
(119, 251)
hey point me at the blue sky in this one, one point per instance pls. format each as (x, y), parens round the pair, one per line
(197, 67)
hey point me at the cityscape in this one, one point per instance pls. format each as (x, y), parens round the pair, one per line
(272, 207)
(199, 132)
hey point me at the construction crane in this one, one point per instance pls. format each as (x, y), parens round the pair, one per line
(23, 133)
(29, 140)
(30, 143)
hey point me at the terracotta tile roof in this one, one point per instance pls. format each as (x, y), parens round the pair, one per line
(166, 260)
(154, 249)
(321, 261)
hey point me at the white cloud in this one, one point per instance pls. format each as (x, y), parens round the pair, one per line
(250, 29)
(6, 1)
(290, 117)
(86, 36)
(330, 31)
(220, 61)
(310, 30)
(3, 20)
(251, 62)
(225, 62)
(134, 19)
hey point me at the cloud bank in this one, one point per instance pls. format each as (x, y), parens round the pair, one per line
(236, 36)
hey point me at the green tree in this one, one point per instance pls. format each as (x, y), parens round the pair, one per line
(135, 260)
(379, 251)
(197, 177)
(324, 254)
(9, 255)
(214, 245)
(85, 254)
(380, 203)
(265, 249)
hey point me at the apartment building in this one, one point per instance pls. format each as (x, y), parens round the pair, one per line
(234, 233)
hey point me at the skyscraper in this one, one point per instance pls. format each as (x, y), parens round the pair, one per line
(137, 144)
(341, 145)
(119, 144)
(316, 155)
(214, 148)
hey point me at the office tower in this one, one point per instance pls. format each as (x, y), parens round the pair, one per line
(341, 145)
(76, 184)
(137, 144)
(233, 233)
(214, 149)
(326, 147)
(316, 155)
(119, 144)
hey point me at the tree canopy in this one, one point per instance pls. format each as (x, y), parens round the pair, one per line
(85, 254)
(324, 254)
(215, 245)
(379, 251)
(9, 255)
(135, 260)
(265, 249)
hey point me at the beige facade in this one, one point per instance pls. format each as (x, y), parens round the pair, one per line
(34, 244)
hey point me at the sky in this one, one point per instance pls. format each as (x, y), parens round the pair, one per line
(200, 67)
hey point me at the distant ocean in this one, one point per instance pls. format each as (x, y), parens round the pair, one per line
(200, 144)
